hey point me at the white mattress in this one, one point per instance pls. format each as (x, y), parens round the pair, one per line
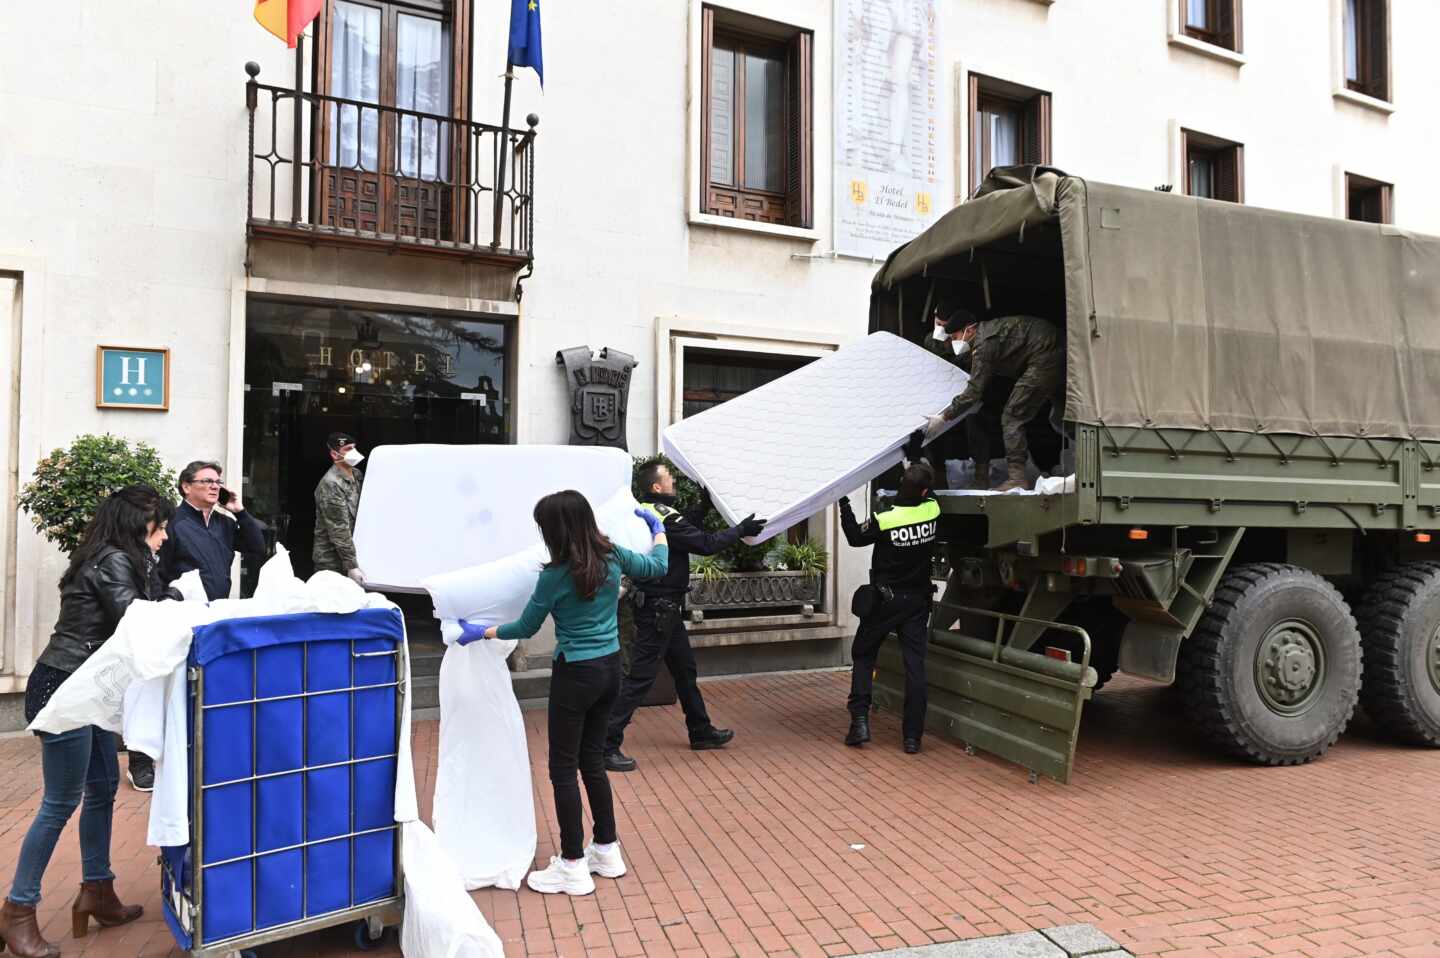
(430, 509)
(794, 446)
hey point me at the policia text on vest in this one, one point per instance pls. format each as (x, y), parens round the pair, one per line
(905, 537)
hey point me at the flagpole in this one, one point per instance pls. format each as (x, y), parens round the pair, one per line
(504, 152)
(296, 164)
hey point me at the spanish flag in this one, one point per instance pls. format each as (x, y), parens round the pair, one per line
(287, 19)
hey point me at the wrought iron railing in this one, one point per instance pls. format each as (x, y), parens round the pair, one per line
(380, 175)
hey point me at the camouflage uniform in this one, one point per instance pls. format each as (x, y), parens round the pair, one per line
(337, 497)
(1023, 348)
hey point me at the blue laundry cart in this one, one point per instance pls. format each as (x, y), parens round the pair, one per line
(293, 731)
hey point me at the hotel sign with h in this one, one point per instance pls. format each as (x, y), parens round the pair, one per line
(132, 378)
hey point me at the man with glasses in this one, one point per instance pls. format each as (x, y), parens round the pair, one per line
(200, 537)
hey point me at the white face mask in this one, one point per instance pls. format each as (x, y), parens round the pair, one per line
(354, 457)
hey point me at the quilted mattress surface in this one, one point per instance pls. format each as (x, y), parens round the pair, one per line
(792, 447)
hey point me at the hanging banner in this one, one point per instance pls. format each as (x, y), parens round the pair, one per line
(887, 99)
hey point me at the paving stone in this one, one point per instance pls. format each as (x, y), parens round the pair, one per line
(1030, 944)
(1081, 940)
(759, 840)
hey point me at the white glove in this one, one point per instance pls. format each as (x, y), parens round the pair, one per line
(936, 424)
(358, 575)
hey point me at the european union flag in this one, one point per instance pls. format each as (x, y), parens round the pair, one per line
(525, 36)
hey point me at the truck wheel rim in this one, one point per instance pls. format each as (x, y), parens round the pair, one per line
(1432, 659)
(1290, 667)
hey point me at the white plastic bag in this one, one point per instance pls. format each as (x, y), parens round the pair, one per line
(484, 809)
(441, 920)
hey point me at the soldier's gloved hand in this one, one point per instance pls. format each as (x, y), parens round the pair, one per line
(936, 424)
(358, 575)
(656, 524)
(472, 632)
(750, 526)
(915, 446)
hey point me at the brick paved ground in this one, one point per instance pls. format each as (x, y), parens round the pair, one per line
(1165, 847)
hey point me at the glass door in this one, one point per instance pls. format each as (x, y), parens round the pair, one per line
(385, 377)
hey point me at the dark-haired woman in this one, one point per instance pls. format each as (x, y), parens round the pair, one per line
(580, 589)
(113, 566)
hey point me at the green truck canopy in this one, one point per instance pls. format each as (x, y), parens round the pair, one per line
(1195, 314)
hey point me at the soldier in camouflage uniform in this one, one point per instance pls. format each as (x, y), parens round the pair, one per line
(1026, 349)
(337, 497)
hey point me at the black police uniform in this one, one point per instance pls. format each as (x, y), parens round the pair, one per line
(905, 537)
(660, 630)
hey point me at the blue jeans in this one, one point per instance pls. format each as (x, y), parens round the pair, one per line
(80, 764)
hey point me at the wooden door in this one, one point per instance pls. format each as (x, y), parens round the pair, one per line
(384, 168)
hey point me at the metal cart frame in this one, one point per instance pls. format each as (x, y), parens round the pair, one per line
(371, 918)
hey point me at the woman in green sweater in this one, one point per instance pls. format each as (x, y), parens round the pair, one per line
(580, 588)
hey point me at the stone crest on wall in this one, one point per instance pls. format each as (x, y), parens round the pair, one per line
(599, 394)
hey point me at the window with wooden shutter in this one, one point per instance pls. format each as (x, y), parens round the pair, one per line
(1214, 168)
(757, 157)
(1215, 22)
(1367, 200)
(1367, 47)
(1009, 126)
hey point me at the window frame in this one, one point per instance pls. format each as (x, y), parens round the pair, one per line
(1034, 109)
(1354, 182)
(1193, 141)
(1217, 11)
(458, 15)
(796, 204)
(1369, 81)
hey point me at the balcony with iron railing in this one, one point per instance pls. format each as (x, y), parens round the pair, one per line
(330, 170)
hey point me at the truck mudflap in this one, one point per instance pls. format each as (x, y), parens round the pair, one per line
(1021, 706)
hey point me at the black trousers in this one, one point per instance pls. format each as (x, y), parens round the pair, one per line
(581, 696)
(659, 634)
(908, 616)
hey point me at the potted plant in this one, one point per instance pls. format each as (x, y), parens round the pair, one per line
(69, 484)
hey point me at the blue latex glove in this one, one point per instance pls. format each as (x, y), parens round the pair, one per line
(471, 631)
(656, 524)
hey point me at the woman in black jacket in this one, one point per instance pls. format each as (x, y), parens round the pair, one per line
(113, 566)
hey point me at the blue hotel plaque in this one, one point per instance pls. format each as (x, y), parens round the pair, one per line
(130, 378)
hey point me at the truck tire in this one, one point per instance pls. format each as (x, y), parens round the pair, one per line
(1272, 672)
(1400, 640)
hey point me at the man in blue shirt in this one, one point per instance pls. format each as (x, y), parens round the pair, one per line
(203, 539)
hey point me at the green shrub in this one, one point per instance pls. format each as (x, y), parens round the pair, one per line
(69, 484)
(802, 557)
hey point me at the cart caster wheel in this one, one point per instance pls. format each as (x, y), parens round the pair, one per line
(366, 937)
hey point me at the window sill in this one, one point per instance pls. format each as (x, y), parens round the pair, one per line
(1207, 49)
(1368, 102)
(748, 226)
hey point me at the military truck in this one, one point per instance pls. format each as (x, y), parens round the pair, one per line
(1252, 410)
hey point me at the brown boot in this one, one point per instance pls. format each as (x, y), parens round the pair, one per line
(97, 900)
(20, 933)
(1016, 481)
(981, 479)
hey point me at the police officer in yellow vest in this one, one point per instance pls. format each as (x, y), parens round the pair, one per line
(897, 599)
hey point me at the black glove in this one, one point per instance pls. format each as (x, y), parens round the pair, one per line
(843, 502)
(914, 449)
(750, 526)
(705, 502)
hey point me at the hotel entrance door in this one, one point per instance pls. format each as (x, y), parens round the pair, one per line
(385, 377)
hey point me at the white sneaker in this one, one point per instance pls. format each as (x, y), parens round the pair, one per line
(605, 864)
(572, 878)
